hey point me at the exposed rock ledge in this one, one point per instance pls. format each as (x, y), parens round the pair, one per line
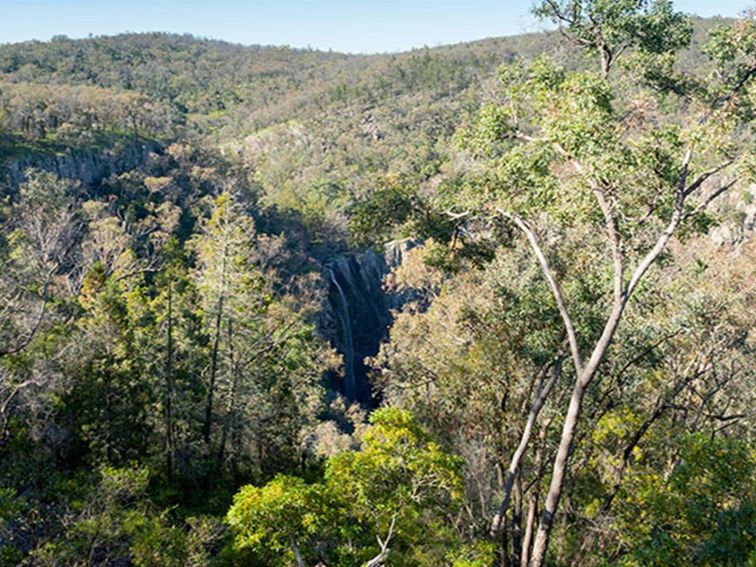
(89, 166)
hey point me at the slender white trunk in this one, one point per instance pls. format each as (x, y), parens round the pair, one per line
(297, 554)
(568, 434)
(541, 394)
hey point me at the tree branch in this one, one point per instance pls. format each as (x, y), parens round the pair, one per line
(541, 394)
(710, 198)
(381, 557)
(38, 322)
(704, 176)
(553, 284)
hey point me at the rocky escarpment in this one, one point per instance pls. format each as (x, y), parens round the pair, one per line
(738, 211)
(359, 311)
(89, 166)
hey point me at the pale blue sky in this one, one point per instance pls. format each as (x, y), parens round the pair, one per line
(342, 25)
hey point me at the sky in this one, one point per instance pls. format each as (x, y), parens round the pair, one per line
(355, 26)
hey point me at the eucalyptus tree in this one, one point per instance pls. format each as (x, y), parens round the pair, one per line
(43, 230)
(622, 161)
(609, 29)
(40, 230)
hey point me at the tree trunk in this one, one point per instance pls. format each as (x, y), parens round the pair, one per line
(169, 438)
(606, 57)
(214, 357)
(379, 559)
(517, 522)
(559, 473)
(297, 554)
(230, 406)
(542, 393)
(529, 525)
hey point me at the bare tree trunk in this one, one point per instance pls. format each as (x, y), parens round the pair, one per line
(585, 374)
(169, 386)
(214, 358)
(541, 394)
(529, 525)
(535, 496)
(236, 437)
(230, 406)
(568, 434)
(26, 340)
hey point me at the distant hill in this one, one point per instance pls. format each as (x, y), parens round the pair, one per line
(205, 76)
(316, 128)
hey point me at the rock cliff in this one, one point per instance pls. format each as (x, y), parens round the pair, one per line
(359, 311)
(89, 166)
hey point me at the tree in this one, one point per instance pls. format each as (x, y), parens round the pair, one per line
(39, 240)
(567, 152)
(224, 253)
(171, 340)
(699, 513)
(278, 517)
(608, 29)
(265, 361)
(389, 492)
(117, 522)
(41, 236)
(110, 396)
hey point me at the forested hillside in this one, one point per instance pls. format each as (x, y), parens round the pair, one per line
(482, 304)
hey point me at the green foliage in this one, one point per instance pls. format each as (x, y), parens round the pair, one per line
(702, 514)
(271, 519)
(576, 163)
(609, 28)
(116, 522)
(162, 318)
(397, 465)
(393, 487)
(372, 219)
(119, 309)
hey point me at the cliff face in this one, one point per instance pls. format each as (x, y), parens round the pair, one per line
(88, 166)
(739, 212)
(359, 312)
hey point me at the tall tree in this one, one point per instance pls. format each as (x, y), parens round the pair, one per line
(36, 244)
(40, 233)
(567, 153)
(265, 362)
(225, 268)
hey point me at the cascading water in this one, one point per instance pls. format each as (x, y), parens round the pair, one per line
(340, 306)
(361, 312)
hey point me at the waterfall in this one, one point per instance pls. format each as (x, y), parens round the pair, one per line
(360, 311)
(346, 340)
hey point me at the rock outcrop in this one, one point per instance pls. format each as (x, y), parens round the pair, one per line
(89, 166)
(739, 210)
